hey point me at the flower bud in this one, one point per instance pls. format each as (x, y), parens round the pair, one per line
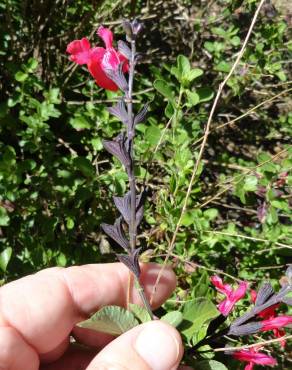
(128, 29)
(136, 27)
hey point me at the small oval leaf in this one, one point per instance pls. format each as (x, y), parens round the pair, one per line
(173, 318)
(113, 320)
(210, 365)
(164, 89)
(140, 312)
(5, 257)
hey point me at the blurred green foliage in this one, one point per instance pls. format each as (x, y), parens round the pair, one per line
(57, 182)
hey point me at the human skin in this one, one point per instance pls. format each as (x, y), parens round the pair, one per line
(38, 313)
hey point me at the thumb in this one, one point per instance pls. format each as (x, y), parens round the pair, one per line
(151, 346)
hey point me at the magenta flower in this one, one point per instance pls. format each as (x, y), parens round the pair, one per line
(268, 314)
(276, 322)
(254, 358)
(232, 296)
(98, 59)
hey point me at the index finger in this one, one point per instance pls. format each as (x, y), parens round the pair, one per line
(45, 307)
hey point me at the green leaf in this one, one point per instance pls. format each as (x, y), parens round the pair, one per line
(205, 94)
(282, 76)
(169, 110)
(140, 312)
(193, 74)
(20, 76)
(211, 213)
(208, 45)
(173, 318)
(223, 67)
(196, 313)
(61, 259)
(152, 135)
(176, 72)
(69, 223)
(193, 98)
(250, 183)
(5, 257)
(200, 335)
(113, 320)
(210, 365)
(4, 218)
(84, 165)
(235, 41)
(188, 218)
(53, 95)
(31, 64)
(96, 143)
(15, 99)
(183, 65)
(80, 123)
(163, 88)
(280, 204)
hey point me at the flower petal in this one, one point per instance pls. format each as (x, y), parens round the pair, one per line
(276, 322)
(253, 295)
(269, 312)
(239, 292)
(111, 59)
(226, 306)
(249, 366)
(96, 70)
(254, 357)
(106, 35)
(222, 288)
(80, 51)
(100, 77)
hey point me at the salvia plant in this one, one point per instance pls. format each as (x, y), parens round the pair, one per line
(203, 326)
(108, 67)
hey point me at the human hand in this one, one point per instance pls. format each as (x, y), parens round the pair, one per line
(38, 314)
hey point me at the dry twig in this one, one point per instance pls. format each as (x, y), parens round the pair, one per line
(207, 130)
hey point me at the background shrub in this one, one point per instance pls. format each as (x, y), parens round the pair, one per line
(56, 181)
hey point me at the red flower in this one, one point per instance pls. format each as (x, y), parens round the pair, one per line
(276, 322)
(232, 296)
(268, 314)
(98, 59)
(253, 357)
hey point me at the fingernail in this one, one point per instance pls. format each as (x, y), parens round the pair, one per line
(158, 347)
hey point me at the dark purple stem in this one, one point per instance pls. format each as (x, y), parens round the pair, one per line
(131, 168)
(131, 135)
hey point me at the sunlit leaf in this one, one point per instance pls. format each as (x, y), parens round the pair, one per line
(210, 365)
(173, 318)
(5, 257)
(196, 313)
(140, 312)
(112, 320)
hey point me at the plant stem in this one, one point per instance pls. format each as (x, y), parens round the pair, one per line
(131, 171)
(144, 298)
(131, 135)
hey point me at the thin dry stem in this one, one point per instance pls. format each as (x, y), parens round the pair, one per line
(207, 130)
(282, 245)
(235, 181)
(245, 114)
(258, 344)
